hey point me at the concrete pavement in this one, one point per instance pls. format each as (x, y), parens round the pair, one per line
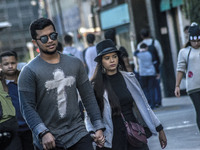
(179, 120)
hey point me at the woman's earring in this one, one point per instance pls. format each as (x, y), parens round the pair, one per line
(120, 67)
(103, 70)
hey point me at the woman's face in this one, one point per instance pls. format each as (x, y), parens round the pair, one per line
(110, 63)
(195, 43)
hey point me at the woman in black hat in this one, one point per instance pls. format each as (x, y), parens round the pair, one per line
(188, 62)
(119, 92)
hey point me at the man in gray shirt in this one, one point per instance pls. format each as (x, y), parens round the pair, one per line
(48, 95)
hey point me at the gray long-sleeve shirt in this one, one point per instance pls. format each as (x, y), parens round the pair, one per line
(49, 99)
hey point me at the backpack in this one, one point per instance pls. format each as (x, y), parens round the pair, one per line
(7, 110)
(155, 57)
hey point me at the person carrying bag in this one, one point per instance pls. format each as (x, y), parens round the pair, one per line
(118, 92)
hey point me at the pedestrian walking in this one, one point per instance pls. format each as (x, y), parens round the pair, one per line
(110, 34)
(69, 49)
(49, 99)
(147, 73)
(188, 61)
(148, 40)
(8, 62)
(90, 54)
(118, 92)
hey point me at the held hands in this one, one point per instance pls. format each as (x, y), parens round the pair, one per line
(99, 138)
(162, 139)
(48, 141)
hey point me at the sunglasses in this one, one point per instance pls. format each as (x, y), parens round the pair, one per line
(44, 39)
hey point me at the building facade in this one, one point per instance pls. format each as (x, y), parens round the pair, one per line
(20, 13)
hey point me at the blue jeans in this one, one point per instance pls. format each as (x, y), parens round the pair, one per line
(158, 96)
(148, 84)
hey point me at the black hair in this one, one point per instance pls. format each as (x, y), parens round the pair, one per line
(186, 28)
(100, 84)
(40, 24)
(110, 34)
(143, 45)
(68, 39)
(90, 38)
(59, 47)
(123, 52)
(145, 33)
(8, 53)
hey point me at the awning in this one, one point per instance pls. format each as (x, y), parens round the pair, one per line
(176, 3)
(168, 4)
(165, 5)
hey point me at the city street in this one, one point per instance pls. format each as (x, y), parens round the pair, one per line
(178, 118)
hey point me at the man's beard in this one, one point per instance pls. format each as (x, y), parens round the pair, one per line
(49, 53)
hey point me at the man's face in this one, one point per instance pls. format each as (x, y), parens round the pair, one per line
(9, 65)
(50, 46)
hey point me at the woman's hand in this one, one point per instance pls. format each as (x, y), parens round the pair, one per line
(99, 138)
(177, 91)
(162, 139)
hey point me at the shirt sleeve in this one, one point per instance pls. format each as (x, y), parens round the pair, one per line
(27, 98)
(88, 99)
(181, 64)
(159, 50)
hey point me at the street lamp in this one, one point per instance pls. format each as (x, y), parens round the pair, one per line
(33, 3)
(29, 45)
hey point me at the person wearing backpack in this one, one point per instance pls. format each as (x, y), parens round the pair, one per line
(8, 122)
(147, 73)
(157, 52)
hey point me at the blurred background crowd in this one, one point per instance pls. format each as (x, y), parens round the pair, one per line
(167, 21)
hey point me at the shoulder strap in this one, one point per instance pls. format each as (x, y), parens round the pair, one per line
(123, 118)
(152, 42)
(187, 61)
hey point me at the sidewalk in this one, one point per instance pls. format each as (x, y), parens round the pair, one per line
(178, 117)
(173, 101)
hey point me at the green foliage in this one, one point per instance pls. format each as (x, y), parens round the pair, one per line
(191, 9)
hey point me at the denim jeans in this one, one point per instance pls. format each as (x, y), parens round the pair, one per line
(148, 84)
(158, 96)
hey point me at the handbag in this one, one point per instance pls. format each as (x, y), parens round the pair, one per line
(135, 133)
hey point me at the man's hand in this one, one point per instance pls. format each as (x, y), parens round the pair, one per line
(177, 91)
(99, 138)
(162, 139)
(48, 141)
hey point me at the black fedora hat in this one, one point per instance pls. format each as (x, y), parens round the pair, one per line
(105, 47)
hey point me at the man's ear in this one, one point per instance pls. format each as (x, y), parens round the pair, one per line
(35, 43)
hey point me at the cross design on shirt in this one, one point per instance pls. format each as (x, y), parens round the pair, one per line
(59, 82)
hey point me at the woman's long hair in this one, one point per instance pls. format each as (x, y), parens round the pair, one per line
(101, 83)
(187, 44)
